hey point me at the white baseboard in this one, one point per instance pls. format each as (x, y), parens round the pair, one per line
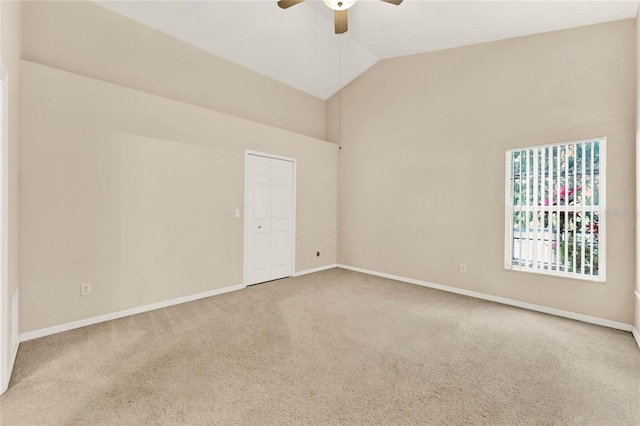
(121, 314)
(497, 299)
(311, 271)
(128, 312)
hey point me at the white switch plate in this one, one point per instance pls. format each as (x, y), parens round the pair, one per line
(359, 252)
(237, 213)
(463, 268)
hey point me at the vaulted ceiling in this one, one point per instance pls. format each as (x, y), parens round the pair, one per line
(298, 47)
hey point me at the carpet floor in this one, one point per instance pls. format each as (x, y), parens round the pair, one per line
(334, 347)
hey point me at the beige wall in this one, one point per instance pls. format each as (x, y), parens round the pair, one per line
(637, 299)
(87, 39)
(637, 319)
(333, 118)
(136, 193)
(638, 69)
(11, 50)
(422, 169)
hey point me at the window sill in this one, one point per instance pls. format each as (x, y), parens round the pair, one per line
(598, 279)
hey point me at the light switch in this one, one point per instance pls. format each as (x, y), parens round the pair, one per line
(237, 213)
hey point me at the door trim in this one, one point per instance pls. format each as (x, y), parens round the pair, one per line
(6, 360)
(247, 153)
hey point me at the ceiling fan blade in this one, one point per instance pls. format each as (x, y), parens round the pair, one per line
(285, 4)
(396, 2)
(341, 21)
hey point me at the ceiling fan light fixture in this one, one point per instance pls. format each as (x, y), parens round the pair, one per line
(339, 4)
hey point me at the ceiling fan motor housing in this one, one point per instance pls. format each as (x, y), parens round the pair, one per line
(339, 4)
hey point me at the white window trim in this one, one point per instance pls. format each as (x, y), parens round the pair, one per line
(508, 219)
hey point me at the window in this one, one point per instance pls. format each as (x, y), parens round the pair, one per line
(555, 209)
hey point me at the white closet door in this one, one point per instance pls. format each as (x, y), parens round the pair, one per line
(281, 218)
(269, 251)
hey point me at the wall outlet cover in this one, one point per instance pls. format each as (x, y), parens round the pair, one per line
(85, 289)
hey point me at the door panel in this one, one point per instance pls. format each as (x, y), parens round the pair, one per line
(269, 215)
(280, 244)
(258, 262)
(261, 201)
(282, 218)
(280, 206)
(261, 248)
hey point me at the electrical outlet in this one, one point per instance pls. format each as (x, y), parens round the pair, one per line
(463, 268)
(236, 213)
(85, 289)
(359, 252)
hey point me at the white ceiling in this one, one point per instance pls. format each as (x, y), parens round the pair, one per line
(298, 47)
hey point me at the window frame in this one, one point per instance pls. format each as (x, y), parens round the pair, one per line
(602, 211)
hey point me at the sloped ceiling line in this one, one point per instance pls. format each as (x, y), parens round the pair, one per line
(298, 47)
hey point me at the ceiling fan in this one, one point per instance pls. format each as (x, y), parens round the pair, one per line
(339, 10)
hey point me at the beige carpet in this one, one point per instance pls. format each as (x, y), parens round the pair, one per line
(336, 347)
